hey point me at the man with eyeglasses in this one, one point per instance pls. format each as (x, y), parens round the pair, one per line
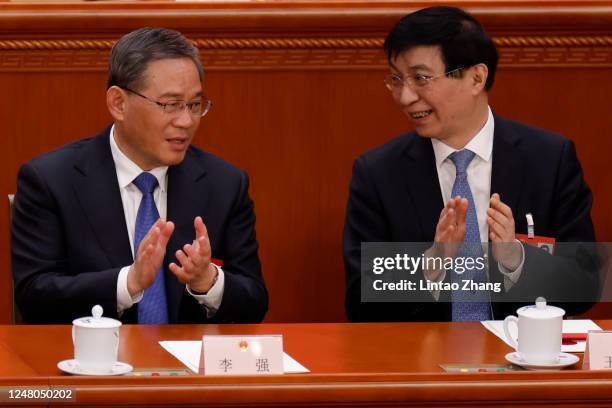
(136, 219)
(465, 175)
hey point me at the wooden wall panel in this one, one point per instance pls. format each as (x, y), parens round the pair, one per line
(298, 94)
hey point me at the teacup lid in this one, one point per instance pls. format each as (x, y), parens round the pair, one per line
(96, 320)
(540, 310)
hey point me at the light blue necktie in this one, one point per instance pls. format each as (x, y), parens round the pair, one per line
(153, 308)
(468, 305)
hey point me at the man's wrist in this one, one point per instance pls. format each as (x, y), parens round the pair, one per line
(132, 285)
(515, 260)
(212, 283)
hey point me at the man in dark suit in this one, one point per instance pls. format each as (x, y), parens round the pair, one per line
(415, 189)
(118, 219)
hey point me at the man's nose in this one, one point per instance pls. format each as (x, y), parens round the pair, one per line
(406, 96)
(185, 119)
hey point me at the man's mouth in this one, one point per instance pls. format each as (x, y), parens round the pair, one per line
(177, 142)
(420, 115)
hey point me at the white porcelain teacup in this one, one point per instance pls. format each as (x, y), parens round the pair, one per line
(539, 332)
(96, 342)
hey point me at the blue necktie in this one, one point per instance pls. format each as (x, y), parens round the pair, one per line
(468, 305)
(153, 308)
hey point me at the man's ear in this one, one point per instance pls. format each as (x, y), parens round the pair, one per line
(115, 102)
(480, 72)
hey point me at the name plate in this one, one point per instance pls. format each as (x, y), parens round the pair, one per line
(598, 351)
(242, 355)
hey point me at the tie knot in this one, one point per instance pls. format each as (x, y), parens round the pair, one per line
(146, 182)
(462, 159)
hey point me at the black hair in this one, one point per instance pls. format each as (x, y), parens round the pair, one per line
(131, 55)
(461, 38)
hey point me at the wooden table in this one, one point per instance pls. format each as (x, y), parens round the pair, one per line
(394, 364)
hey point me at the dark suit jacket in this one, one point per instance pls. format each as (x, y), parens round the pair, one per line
(395, 197)
(69, 236)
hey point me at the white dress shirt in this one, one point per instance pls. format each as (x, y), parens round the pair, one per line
(131, 196)
(479, 178)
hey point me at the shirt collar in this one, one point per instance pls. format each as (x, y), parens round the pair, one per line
(127, 170)
(481, 143)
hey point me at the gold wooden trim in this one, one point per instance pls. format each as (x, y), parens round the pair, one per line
(553, 41)
(305, 43)
(215, 43)
(243, 54)
(302, 43)
(56, 44)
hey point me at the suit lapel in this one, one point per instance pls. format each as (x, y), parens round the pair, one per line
(188, 197)
(507, 172)
(97, 190)
(423, 184)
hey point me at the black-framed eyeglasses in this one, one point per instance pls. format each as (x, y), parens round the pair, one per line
(395, 83)
(196, 108)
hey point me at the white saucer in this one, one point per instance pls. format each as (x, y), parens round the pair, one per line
(72, 367)
(565, 360)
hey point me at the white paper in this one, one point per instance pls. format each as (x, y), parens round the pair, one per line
(569, 326)
(242, 355)
(188, 353)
